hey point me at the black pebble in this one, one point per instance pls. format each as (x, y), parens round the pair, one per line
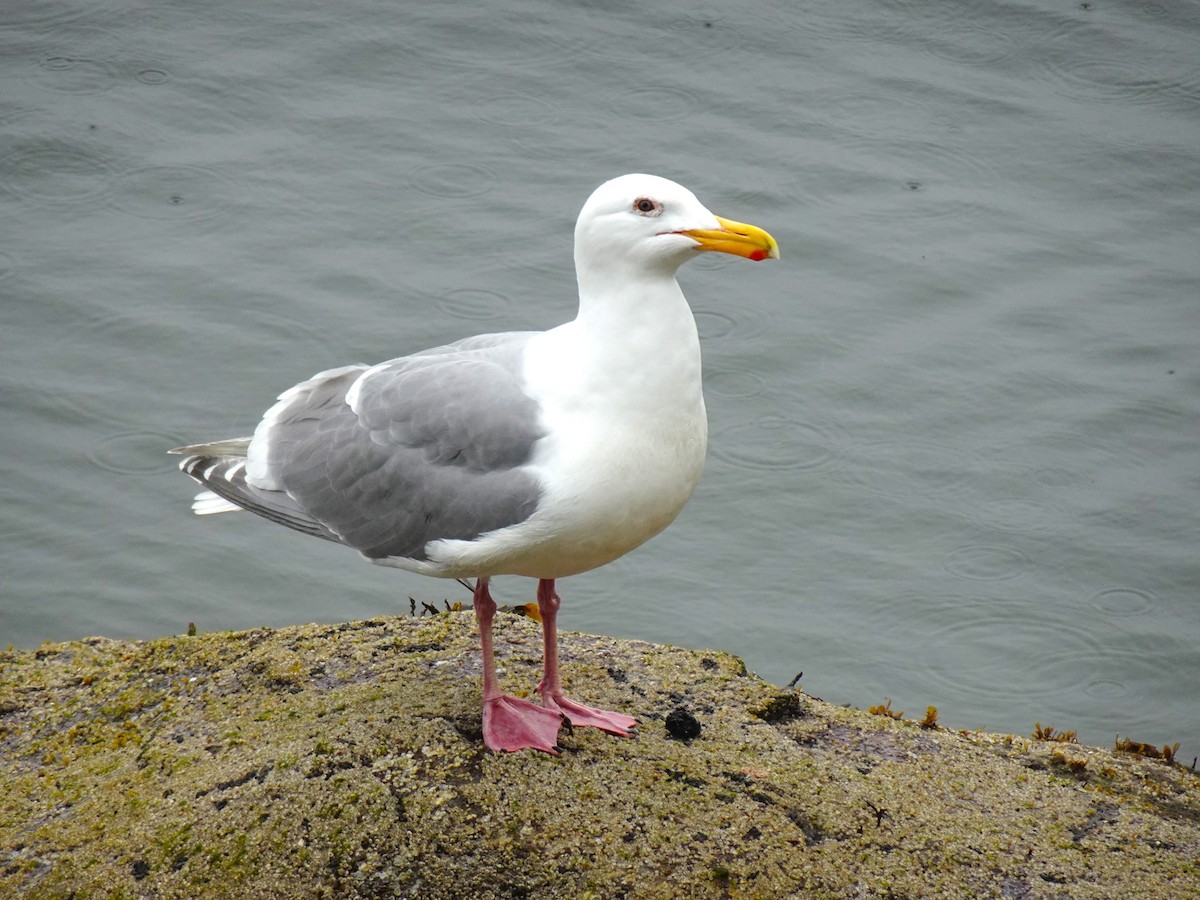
(682, 725)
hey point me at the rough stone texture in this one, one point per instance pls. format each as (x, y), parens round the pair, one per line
(346, 761)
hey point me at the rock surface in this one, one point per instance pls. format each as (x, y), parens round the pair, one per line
(346, 761)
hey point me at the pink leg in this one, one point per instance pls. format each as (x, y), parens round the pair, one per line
(551, 686)
(509, 723)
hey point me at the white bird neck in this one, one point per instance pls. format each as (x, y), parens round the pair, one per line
(623, 305)
(641, 347)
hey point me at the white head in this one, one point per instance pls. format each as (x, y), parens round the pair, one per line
(646, 225)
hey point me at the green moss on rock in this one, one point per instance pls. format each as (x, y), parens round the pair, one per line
(346, 761)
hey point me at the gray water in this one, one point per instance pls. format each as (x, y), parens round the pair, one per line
(954, 454)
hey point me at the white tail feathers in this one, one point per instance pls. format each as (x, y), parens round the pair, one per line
(207, 503)
(230, 447)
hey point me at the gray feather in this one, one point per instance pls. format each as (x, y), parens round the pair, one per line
(433, 452)
(226, 477)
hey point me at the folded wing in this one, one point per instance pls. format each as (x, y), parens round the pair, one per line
(388, 458)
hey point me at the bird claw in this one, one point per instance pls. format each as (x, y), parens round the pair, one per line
(590, 717)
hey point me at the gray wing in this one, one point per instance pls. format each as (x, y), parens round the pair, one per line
(417, 449)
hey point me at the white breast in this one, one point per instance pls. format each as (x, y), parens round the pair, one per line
(626, 438)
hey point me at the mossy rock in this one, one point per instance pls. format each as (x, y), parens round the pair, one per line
(346, 761)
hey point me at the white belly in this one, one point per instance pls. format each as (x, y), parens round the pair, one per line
(604, 495)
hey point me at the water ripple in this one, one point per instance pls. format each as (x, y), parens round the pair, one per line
(658, 103)
(1065, 459)
(701, 33)
(1123, 80)
(71, 40)
(1112, 676)
(516, 110)
(985, 562)
(1107, 689)
(861, 113)
(1124, 601)
(981, 645)
(173, 192)
(737, 383)
(875, 22)
(905, 181)
(56, 174)
(475, 305)
(1020, 515)
(951, 178)
(1056, 476)
(714, 325)
(39, 12)
(150, 340)
(909, 468)
(153, 76)
(515, 44)
(456, 181)
(74, 75)
(135, 452)
(729, 327)
(776, 442)
(965, 41)
(1119, 76)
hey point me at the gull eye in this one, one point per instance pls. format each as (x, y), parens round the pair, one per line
(645, 206)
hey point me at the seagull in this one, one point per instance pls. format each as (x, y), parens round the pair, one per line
(535, 453)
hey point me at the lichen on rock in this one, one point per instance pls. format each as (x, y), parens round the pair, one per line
(346, 761)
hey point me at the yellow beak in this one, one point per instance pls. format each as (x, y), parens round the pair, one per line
(736, 238)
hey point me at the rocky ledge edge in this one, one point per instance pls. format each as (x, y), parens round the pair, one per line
(347, 761)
